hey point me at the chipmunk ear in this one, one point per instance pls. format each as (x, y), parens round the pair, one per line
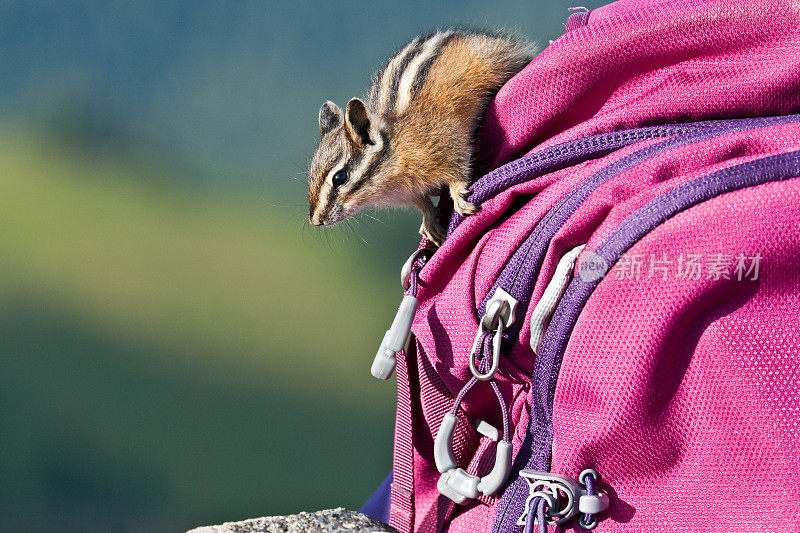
(330, 116)
(357, 122)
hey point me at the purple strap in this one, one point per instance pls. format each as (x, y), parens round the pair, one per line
(539, 516)
(379, 504)
(589, 481)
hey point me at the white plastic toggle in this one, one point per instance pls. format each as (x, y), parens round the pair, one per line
(456, 483)
(445, 490)
(442, 451)
(594, 504)
(486, 429)
(491, 482)
(395, 338)
(463, 483)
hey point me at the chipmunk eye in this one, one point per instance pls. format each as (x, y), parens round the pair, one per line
(339, 178)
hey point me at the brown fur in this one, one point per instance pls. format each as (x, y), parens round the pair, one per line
(430, 140)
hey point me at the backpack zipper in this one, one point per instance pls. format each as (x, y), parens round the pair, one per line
(519, 278)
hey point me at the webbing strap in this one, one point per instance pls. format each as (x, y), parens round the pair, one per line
(402, 513)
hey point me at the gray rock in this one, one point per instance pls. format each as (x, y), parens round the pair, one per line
(338, 520)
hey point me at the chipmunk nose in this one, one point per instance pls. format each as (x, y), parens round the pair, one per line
(314, 219)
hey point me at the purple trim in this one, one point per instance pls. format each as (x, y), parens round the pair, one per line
(561, 156)
(536, 453)
(519, 276)
(577, 20)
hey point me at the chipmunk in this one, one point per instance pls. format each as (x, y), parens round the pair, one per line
(414, 134)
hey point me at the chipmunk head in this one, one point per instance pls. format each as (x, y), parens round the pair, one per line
(352, 150)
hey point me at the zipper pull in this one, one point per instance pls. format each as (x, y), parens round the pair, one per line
(395, 338)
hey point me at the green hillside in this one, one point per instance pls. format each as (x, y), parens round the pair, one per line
(176, 356)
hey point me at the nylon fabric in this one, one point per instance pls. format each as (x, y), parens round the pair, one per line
(652, 70)
(689, 388)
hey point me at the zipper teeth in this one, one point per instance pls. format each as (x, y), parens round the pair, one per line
(769, 169)
(557, 209)
(532, 239)
(599, 143)
(563, 207)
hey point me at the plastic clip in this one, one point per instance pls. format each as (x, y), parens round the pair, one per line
(397, 335)
(499, 314)
(565, 497)
(395, 338)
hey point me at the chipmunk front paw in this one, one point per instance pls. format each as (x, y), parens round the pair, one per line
(460, 202)
(433, 231)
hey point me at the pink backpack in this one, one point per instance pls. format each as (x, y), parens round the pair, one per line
(613, 340)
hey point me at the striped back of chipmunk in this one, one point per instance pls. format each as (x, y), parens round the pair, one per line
(405, 73)
(395, 88)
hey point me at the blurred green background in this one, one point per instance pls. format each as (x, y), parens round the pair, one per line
(177, 348)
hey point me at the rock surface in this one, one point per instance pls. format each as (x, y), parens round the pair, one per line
(331, 521)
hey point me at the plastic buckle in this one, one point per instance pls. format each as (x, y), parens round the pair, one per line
(565, 496)
(455, 482)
